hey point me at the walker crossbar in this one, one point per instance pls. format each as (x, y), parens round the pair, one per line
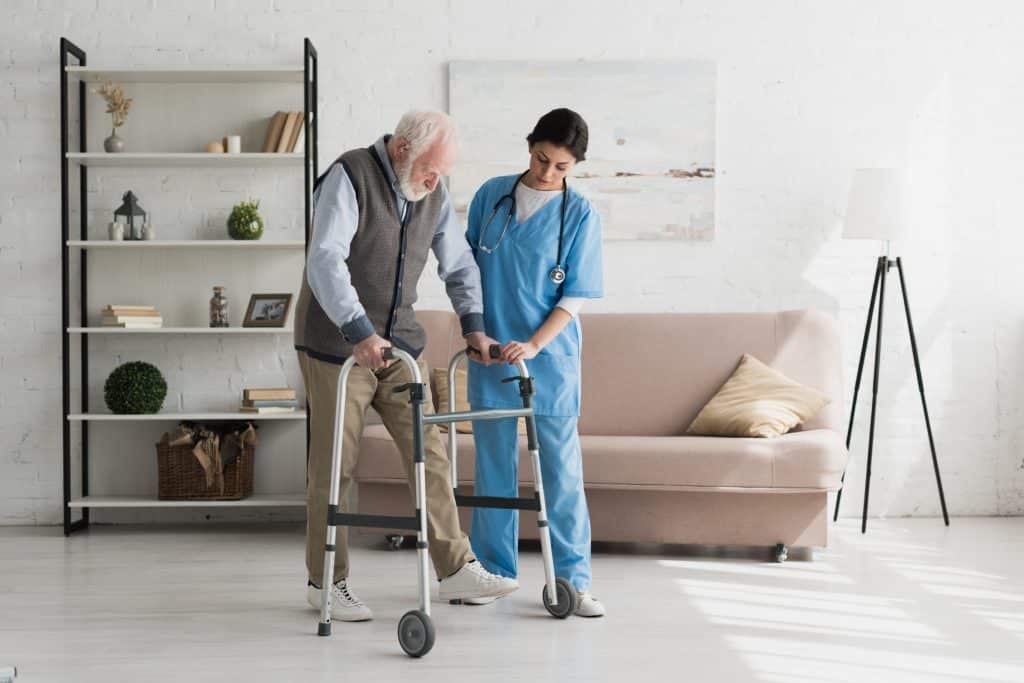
(497, 502)
(377, 521)
(474, 415)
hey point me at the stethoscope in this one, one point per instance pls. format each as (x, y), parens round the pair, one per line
(556, 274)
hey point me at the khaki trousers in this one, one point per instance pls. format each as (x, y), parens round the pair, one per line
(449, 547)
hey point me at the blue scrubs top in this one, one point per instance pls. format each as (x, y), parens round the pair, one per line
(519, 296)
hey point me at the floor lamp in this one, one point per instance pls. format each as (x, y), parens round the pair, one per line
(877, 210)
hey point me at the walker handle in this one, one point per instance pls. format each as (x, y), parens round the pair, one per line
(494, 351)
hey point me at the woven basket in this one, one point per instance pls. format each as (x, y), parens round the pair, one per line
(181, 477)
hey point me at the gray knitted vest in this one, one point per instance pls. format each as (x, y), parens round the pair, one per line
(385, 262)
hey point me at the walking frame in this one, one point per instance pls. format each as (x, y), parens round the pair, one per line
(415, 628)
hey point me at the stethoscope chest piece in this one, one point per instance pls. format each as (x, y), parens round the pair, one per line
(557, 275)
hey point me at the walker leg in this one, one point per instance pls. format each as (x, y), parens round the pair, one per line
(417, 396)
(550, 586)
(324, 627)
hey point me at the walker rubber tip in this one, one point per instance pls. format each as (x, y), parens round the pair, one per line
(323, 630)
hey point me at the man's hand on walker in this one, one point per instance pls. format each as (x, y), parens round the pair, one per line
(368, 352)
(515, 351)
(480, 343)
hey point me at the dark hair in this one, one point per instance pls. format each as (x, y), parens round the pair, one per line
(565, 128)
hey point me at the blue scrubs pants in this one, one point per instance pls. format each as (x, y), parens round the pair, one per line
(495, 533)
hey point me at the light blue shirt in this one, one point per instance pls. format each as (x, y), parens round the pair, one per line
(335, 219)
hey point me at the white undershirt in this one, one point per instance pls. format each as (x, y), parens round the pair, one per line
(528, 202)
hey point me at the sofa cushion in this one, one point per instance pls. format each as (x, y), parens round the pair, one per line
(812, 459)
(757, 401)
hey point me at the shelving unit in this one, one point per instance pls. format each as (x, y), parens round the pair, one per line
(73, 69)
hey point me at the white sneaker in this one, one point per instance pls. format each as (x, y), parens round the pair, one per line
(589, 606)
(344, 605)
(473, 581)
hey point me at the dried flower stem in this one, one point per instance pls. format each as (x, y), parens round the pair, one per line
(117, 104)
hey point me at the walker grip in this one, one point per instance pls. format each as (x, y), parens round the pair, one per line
(494, 351)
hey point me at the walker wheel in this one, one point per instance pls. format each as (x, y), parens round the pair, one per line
(567, 599)
(780, 553)
(415, 633)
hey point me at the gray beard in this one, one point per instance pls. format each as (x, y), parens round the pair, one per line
(410, 193)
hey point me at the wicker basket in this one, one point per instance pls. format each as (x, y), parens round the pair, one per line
(181, 477)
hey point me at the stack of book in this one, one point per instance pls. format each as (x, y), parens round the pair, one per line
(116, 315)
(286, 133)
(265, 401)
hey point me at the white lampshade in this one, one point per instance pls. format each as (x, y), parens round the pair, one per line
(877, 205)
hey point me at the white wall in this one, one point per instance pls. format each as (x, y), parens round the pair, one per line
(806, 91)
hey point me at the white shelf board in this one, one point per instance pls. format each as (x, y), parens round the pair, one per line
(191, 417)
(187, 74)
(190, 159)
(265, 500)
(180, 330)
(186, 244)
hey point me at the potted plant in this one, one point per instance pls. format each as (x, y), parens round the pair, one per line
(245, 222)
(135, 388)
(117, 106)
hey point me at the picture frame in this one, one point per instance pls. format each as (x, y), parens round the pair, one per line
(268, 310)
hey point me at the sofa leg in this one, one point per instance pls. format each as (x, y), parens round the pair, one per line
(780, 553)
(394, 541)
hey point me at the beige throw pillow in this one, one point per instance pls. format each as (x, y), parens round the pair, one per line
(757, 401)
(440, 382)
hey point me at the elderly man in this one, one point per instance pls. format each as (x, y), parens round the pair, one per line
(378, 211)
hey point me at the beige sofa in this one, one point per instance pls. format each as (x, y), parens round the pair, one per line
(645, 377)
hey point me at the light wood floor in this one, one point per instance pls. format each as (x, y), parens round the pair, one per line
(909, 602)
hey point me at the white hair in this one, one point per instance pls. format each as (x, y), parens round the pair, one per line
(423, 128)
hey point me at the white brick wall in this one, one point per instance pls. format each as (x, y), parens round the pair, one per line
(807, 91)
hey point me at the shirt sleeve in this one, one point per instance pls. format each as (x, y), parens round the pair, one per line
(335, 219)
(571, 304)
(457, 267)
(584, 277)
(475, 218)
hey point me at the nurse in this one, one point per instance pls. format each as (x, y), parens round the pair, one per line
(538, 244)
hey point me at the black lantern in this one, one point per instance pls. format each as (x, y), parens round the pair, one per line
(131, 215)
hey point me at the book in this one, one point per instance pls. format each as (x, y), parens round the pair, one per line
(132, 319)
(274, 131)
(131, 314)
(300, 140)
(270, 403)
(273, 394)
(286, 132)
(264, 410)
(130, 309)
(299, 127)
(134, 325)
